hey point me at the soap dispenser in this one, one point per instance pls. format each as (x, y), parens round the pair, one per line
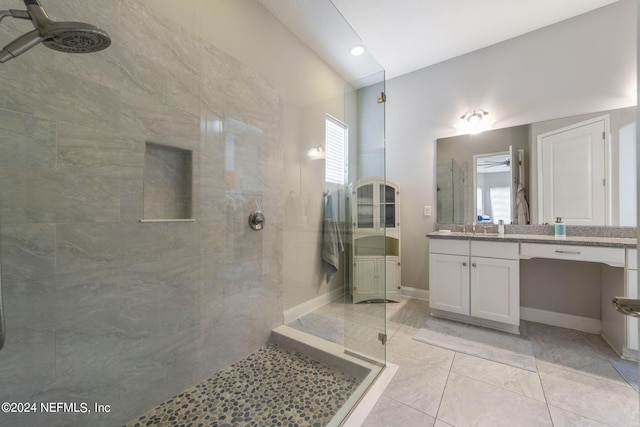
(559, 229)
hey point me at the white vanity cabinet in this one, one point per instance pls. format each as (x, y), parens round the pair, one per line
(475, 281)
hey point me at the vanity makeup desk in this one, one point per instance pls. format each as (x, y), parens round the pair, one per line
(528, 274)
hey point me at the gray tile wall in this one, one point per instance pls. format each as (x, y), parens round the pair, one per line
(100, 307)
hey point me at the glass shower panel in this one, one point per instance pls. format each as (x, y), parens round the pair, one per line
(459, 183)
(452, 191)
(365, 321)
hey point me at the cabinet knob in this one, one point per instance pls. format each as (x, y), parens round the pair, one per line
(473, 265)
(464, 264)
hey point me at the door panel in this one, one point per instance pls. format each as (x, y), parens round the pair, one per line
(573, 175)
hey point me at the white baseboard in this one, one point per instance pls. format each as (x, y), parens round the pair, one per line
(416, 293)
(569, 321)
(300, 310)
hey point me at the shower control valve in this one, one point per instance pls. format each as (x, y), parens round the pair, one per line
(256, 220)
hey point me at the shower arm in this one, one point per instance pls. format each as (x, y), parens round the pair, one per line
(19, 14)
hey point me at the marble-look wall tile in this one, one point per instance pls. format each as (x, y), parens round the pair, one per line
(27, 141)
(27, 361)
(34, 196)
(28, 251)
(238, 92)
(40, 90)
(87, 363)
(131, 200)
(160, 118)
(87, 247)
(83, 151)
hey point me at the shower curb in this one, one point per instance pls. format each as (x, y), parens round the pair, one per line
(374, 381)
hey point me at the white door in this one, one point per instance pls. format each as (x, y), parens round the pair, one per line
(449, 283)
(572, 174)
(495, 289)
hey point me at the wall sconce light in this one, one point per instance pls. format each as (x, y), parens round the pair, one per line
(316, 152)
(475, 121)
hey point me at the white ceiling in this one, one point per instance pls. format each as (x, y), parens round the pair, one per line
(406, 35)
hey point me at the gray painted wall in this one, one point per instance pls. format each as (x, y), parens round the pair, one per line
(578, 66)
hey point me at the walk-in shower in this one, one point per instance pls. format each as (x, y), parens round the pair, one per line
(69, 37)
(108, 311)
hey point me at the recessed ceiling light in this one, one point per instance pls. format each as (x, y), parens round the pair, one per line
(357, 50)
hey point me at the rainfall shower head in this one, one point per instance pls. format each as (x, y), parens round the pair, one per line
(70, 37)
(75, 37)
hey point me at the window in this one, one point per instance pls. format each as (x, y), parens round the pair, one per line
(335, 149)
(500, 204)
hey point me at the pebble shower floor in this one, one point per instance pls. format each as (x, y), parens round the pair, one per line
(273, 386)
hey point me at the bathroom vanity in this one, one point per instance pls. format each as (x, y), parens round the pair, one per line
(476, 278)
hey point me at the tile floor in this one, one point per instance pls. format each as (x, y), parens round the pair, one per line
(575, 385)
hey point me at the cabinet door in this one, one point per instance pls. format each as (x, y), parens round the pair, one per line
(632, 322)
(388, 206)
(495, 289)
(449, 283)
(365, 212)
(392, 274)
(365, 280)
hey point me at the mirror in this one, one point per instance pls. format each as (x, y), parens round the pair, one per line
(464, 180)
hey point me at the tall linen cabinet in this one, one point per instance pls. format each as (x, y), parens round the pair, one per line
(375, 210)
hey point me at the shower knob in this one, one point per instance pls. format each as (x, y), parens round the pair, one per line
(256, 220)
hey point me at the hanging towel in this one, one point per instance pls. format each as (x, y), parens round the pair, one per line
(331, 241)
(522, 206)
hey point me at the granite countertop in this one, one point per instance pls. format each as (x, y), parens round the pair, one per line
(615, 242)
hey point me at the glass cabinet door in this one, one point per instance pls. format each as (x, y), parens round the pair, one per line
(387, 206)
(365, 206)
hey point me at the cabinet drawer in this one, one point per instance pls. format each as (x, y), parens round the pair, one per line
(449, 246)
(632, 259)
(611, 256)
(506, 250)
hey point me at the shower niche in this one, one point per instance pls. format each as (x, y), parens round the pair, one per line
(167, 183)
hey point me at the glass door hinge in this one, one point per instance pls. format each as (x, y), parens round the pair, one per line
(382, 337)
(382, 98)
